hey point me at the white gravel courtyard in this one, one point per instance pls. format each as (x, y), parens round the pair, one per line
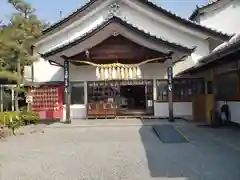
(120, 152)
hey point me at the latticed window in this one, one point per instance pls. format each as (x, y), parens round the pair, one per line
(162, 90)
(183, 89)
(101, 91)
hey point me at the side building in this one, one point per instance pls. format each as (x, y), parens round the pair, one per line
(221, 68)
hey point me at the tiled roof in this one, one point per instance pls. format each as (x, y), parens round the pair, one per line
(187, 21)
(221, 51)
(156, 7)
(122, 22)
(199, 8)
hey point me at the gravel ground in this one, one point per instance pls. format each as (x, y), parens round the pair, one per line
(120, 153)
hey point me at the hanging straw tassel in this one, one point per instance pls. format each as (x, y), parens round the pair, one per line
(139, 74)
(110, 73)
(130, 73)
(98, 73)
(126, 73)
(122, 73)
(118, 74)
(102, 73)
(105, 74)
(134, 72)
(113, 73)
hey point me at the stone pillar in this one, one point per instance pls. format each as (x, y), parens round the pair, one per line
(67, 94)
(170, 88)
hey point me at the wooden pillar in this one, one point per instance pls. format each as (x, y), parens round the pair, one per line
(215, 118)
(67, 94)
(170, 88)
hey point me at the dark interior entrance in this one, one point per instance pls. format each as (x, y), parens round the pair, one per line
(133, 100)
(135, 96)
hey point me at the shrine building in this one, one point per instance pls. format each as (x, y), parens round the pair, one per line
(121, 58)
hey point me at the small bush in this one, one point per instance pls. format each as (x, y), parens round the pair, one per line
(29, 117)
(14, 120)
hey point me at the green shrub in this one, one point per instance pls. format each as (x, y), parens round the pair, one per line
(29, 117)
(14, 120)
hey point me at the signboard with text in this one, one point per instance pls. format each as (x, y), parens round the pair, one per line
(66, 73)
(170, 78)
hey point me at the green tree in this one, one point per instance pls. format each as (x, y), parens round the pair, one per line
(16, 39)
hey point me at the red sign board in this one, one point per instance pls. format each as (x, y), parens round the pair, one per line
(48, 101)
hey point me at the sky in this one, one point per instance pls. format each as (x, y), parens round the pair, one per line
(49, 10)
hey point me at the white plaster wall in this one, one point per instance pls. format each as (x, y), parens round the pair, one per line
(75, 30)
(170, 31)
(180, 109)
(44, 72)
(234, 107)
(77, 111)
(225, 19)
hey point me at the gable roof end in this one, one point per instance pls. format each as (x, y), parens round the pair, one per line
(124, 23)
(149, 3)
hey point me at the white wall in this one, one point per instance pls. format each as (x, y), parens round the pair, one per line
(225, 19)
(180, 109)
(76, 112)
(162, 27)
(234, 107)
(44, 72)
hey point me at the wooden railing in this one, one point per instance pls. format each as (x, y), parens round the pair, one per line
(101, 110)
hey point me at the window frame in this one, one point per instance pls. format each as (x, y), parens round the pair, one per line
(181, 87)
(82, 88)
